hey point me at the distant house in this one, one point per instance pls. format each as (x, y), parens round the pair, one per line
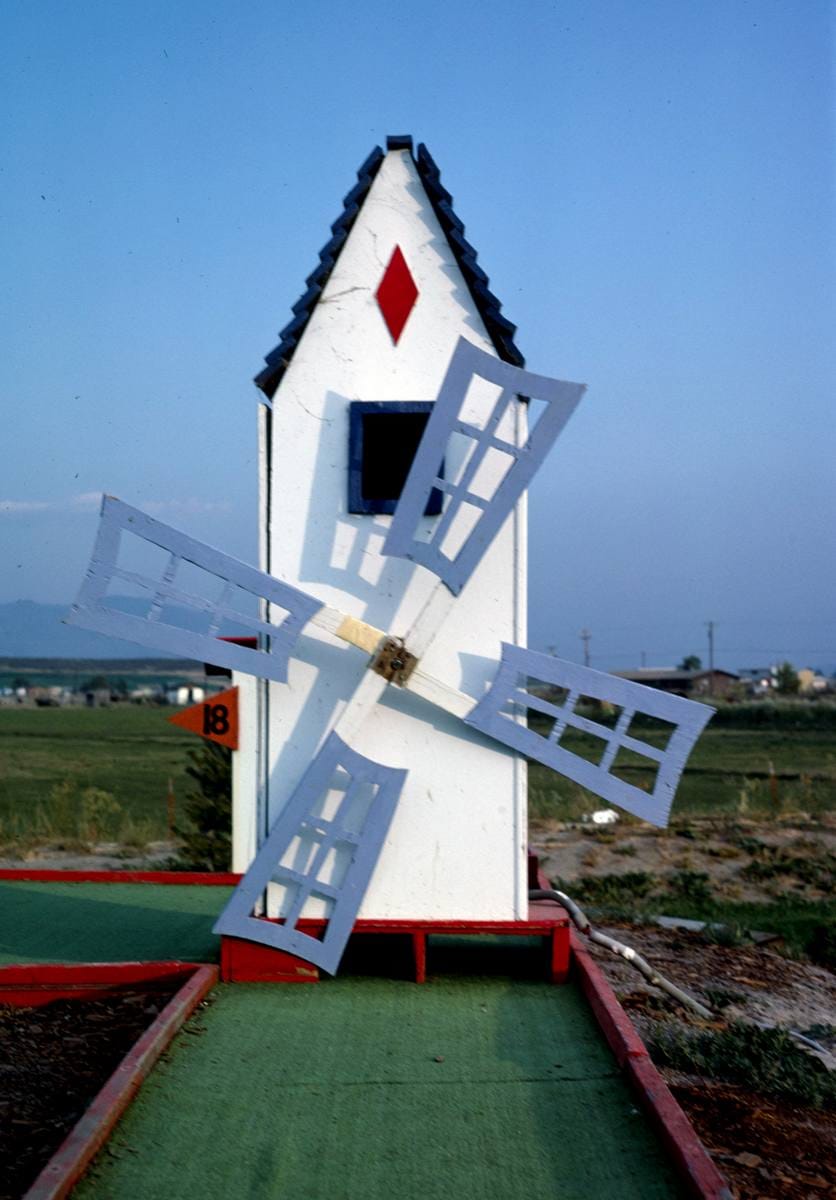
(185, 693)
(684, 683)
(758, 681)
(811, 683)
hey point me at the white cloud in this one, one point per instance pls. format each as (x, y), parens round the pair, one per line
(90, 501)
(82, 502)
(189, 507)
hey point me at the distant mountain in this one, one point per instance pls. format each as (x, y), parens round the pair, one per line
(30, 630)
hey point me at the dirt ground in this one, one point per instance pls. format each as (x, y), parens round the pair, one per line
(767, 1149)
(53, 1061)
(108, 856)
(795, 852)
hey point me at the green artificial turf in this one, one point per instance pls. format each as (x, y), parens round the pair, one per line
(114, 922)
(365, 1089)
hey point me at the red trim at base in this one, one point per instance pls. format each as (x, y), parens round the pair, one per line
(204, 878)
(691, 1158)
(244, 961)
(35, 984)
(75, 1153)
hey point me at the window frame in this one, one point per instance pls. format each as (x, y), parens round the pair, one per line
(358, 504)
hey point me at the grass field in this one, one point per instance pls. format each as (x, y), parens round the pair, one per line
(731, 772)
(103, 774)
(89, 774)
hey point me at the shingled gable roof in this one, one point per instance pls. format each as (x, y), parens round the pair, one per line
(500, 329)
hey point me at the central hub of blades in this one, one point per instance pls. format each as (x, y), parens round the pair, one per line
(394, 662)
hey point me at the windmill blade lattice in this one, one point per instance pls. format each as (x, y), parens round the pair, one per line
(471, 518)
(227, 574)
(314, 854)
(525, 673)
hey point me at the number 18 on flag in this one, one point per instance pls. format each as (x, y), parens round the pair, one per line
(215, 719)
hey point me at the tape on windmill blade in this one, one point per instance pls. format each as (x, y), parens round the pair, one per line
(179, 619)
(324, 845)
(629, 745)
(486, 472)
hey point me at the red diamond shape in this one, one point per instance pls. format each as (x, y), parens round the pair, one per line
(396, 294)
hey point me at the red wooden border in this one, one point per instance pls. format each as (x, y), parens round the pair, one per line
(678, 1135)
(75, 1153)
(245, 961)
(33, 984)
(36, 875)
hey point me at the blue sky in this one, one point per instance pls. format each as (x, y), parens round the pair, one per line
(650, 187)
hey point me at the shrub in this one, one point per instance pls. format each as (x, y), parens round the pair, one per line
(691, 885)
(99, 814)
(765, 1060)
(610, 891)
(777, 714)
(207, 840)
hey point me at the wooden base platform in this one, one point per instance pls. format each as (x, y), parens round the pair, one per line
(243, 961)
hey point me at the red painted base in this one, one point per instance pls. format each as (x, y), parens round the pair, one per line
(243, 961)
(183, 878)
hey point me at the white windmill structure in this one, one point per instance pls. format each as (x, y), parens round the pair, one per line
(390, 785)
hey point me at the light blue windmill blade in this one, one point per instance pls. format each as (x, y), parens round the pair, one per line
(313, 854)
(471, 519)
(587, 751)
(119, 523)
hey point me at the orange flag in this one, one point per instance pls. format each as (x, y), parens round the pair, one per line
(215, 719)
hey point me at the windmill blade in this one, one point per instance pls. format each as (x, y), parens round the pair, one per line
(168, 600)
(493, 473)
(608, 760)
(325, 845)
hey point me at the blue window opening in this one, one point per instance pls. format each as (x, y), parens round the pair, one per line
(383, 440)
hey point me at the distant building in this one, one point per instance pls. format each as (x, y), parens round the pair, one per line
(684, 683)
(185, 693)
(811, 683)
(758, 681)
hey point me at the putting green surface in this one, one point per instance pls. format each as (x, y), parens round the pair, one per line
(114, 922)
(365, 1089)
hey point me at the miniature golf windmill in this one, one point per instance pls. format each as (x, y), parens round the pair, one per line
(395, 457)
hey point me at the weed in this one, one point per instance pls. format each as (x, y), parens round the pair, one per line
(691, 885)
(766, 1060)
(98, 813)
(613, 891)
(776, 862)
(627, 850)
(720, 997)
(722, 851)
(750, 845)
(733, 934)
(822, 945)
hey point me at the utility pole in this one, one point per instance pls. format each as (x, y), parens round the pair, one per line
(585, 635)
(710, 627)
(644, 658)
